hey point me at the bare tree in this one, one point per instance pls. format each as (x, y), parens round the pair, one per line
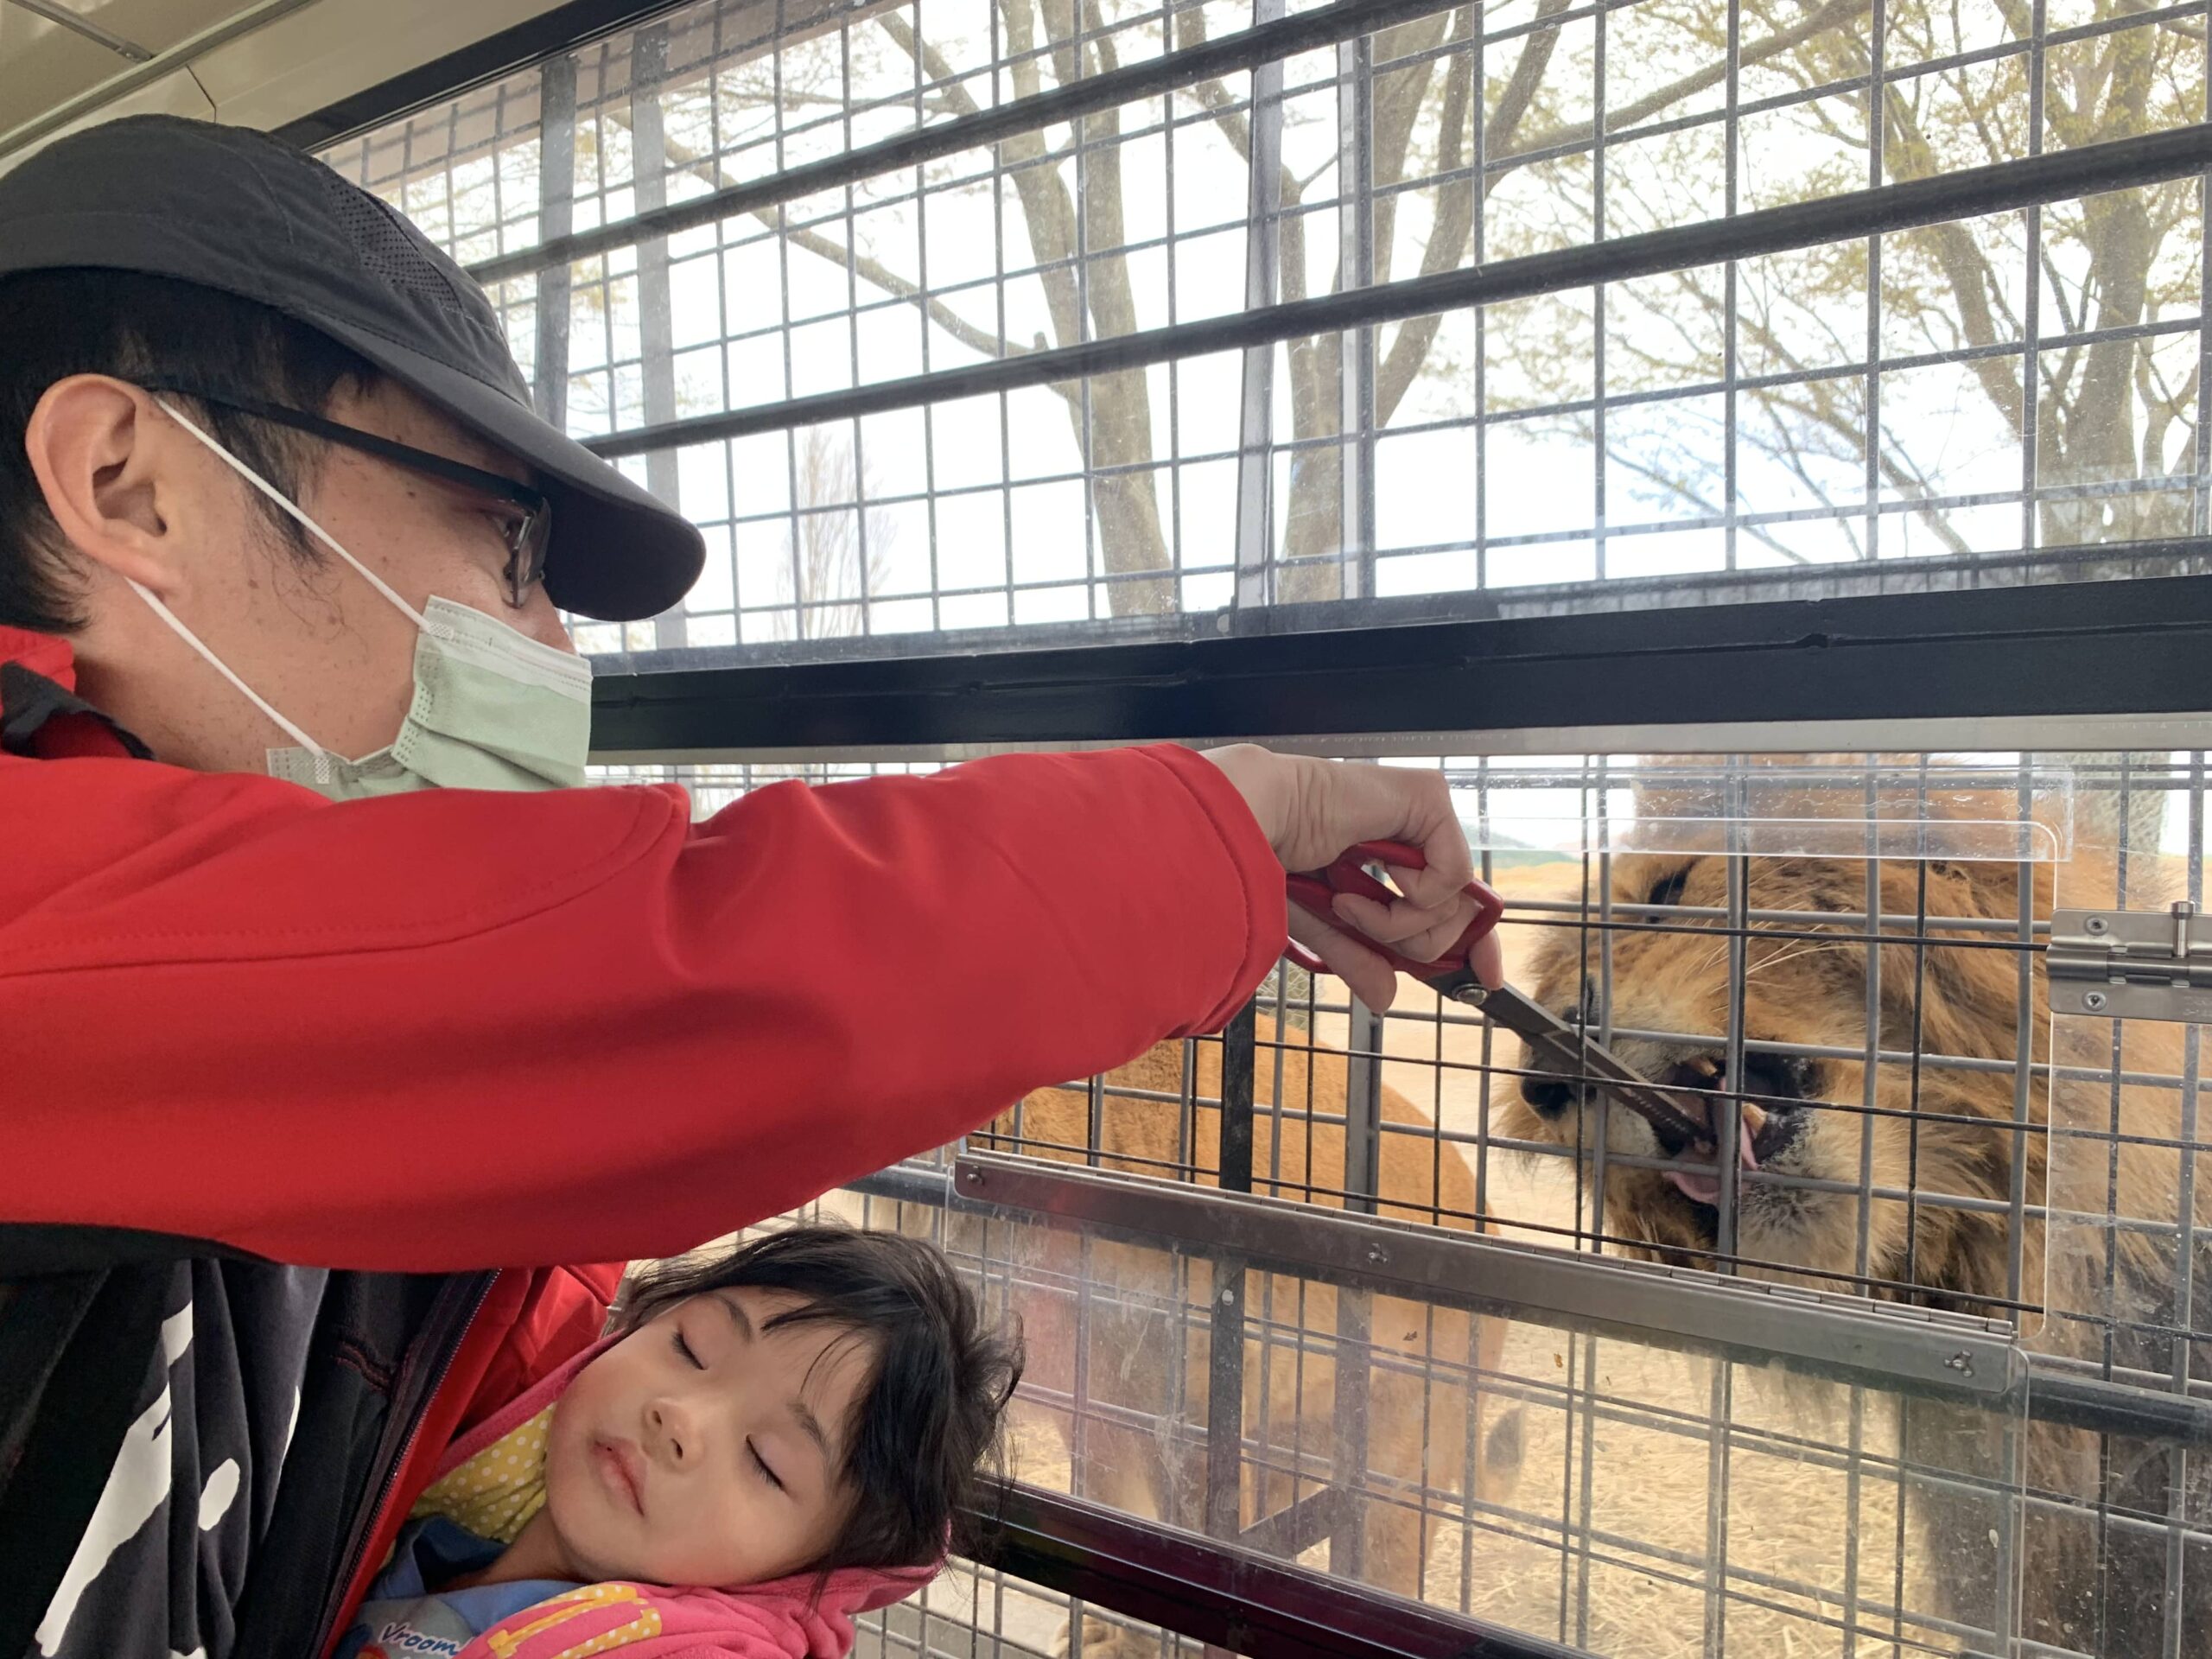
(839, 550)
(2111, 409)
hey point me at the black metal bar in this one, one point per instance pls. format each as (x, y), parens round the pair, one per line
(1288, 1533)
(2107, 1407)
(2131, 647)
(1226, 54)
(1225, 1398)
(1971, 191)
(1239, 1066)
(1226, 1333)
(549, 34)
(1218, 1593)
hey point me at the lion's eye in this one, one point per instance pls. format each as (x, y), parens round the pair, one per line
(1668, 889)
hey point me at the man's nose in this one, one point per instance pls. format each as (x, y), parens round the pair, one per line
(541, 619)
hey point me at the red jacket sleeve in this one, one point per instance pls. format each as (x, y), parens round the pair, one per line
(452, 1029)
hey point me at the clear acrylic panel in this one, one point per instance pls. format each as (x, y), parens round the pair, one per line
(1871, 975)
(1625, 1496)
(2121, 1524)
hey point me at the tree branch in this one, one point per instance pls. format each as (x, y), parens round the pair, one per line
(1447, 238)
(1817, 22)
(708, 171)
(1290, 226)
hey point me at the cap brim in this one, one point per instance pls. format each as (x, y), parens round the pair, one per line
(618, 552)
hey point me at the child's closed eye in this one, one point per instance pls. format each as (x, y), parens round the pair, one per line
(685, 1349)
(761, 1464)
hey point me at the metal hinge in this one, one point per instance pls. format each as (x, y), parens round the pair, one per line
(2142, 964)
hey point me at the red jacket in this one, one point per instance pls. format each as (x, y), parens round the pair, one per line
(454, 1030)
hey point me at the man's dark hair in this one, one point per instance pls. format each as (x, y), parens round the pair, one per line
(928, 1419)
(57, 323)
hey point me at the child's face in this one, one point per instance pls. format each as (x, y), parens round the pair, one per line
(704, 1448)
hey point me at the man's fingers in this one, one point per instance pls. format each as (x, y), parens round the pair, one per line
(1415, 930)
(1425, 800)
(1370, 978)
(1488, 960)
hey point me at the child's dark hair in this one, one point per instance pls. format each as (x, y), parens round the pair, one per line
(929, 1418)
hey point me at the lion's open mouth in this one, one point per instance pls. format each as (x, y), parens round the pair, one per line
(1763, 1130)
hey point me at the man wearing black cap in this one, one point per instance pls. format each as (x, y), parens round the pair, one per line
(331, 1022)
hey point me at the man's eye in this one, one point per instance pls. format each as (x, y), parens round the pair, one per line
(685, 1349)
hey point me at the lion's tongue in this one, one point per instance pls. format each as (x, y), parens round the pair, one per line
(1705, 1189)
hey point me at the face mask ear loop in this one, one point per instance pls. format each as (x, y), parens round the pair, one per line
(307, 523)
(252, 696)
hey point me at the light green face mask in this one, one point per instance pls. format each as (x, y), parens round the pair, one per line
(492, 708)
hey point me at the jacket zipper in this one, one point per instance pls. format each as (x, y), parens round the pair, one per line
(412, 1403)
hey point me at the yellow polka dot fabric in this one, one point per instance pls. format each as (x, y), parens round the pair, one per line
(495, 1493)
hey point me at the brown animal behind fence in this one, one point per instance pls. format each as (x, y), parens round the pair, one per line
(1138, 1447)
(1936, 1132)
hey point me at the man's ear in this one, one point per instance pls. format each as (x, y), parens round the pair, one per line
(105, 460)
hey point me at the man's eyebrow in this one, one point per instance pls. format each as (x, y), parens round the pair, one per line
(737, 1315)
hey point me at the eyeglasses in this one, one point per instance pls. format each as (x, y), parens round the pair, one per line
(527, 523)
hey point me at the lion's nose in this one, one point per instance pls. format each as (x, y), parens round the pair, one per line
(1548, 1096)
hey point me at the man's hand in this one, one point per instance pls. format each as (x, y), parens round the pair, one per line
(1312, 811)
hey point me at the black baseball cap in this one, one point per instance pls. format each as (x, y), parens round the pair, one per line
(232, 209)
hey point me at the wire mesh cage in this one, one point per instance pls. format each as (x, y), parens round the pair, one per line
(861, 286)
(977, 324)
(1840, 962)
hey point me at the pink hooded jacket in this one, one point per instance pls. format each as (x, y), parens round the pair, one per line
(805, 1616)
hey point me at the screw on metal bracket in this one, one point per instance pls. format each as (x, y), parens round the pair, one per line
(1228, 1298)
(1961, 1363)
(2093, 1000)
(1376, 1256)
(2096, 925)
(973, 1177)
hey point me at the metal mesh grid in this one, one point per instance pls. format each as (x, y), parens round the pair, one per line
(1900, 1156)
(973, 1612)
(1501, 1469)
(2029, 378)
(2007, 397)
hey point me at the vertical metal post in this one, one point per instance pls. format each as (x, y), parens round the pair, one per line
(1354, 1309)
(1225, 1351)
(1878, 36)
(1262, 275)
(2031, 306)
(1582, 1378)
(1727, 1110)
(556, 216)
(1599, 402)
(1355, 437)
(2179, 1507)
(1732, 152)
(1362, 1109)
(1854, 1468)
(656, 315)
(1239, 1067)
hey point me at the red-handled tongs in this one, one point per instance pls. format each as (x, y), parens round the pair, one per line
(1562, 1047)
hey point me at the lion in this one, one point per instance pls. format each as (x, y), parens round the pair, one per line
(1134, 1444)
(1933, 1131)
